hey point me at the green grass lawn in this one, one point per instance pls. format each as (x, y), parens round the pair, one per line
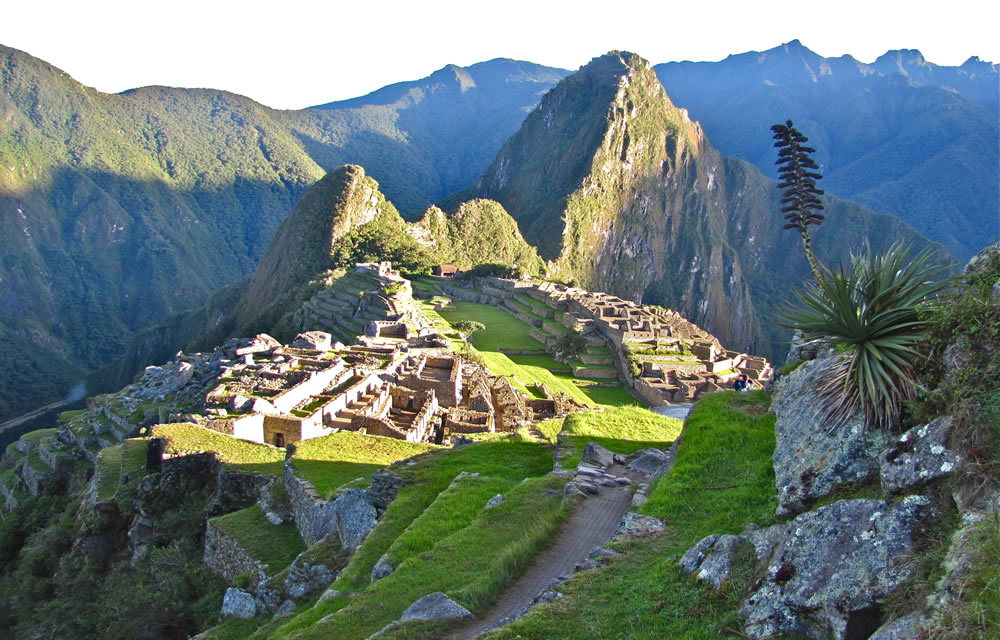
(338, 458)
(550, 428)
(39, 435)
(275, 546)
(502, 329)
(505, 331)
(623, 430)
(238, 455)
(644, 594)
(69, 416)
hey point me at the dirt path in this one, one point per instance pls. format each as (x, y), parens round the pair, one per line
(589, 526)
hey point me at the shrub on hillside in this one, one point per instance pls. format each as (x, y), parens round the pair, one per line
(869, 312)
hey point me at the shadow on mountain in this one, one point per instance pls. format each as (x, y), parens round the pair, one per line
(91, 259)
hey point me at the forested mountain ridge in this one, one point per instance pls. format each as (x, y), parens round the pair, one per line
(901, 135)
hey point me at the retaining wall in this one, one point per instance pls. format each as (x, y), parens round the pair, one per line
(227, 559)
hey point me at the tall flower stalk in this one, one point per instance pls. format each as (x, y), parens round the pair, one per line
(797, 175)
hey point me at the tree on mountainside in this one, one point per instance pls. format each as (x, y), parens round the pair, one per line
(798, 174)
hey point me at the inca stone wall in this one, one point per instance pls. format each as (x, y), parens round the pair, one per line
(227, 559)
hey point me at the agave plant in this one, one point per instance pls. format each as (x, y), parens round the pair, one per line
(869, 313)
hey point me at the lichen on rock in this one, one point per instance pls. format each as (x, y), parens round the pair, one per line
(811, 460)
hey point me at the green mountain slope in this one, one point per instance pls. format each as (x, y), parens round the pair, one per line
(477, 232)
(900, 136)
(119, 211)
(648, 210)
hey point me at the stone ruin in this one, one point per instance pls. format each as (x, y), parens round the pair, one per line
(677, 360)
(284, 394)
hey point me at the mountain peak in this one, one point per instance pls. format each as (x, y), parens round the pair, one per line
(338, 203)
(454, 74)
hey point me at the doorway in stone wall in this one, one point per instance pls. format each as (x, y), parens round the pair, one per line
(279, 440)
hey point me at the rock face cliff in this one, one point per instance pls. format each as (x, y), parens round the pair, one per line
(622, 192)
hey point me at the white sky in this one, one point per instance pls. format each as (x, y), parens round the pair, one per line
(300, 53)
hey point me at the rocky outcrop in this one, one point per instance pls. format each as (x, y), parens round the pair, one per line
(711, 559)
(237, 603)
(636, 525)
(834, 567)
(355, 517)
(918, 457)
(597, 456)
(235, 491)
(435, 606)
(317, 340)
(158, 382)
(351, 512)
(305, 578)
(810, 459)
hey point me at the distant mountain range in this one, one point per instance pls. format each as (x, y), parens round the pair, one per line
(901, 135)
(119, 211)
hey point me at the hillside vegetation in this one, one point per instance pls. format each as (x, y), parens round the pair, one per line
(118, 211)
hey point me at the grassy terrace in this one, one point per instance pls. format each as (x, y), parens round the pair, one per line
(440, 538)
(472, 565)
(644, 594)
(38, 436)
(275, 546)
(133, 459)
(334, 460)
(109, 464)
(505, 331)
(238, 455)
(525, 299)
(622, 430)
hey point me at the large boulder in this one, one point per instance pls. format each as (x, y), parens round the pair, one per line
(315, 340)
(712, 558)
(157, 382)
(237, 603)
(918, 457)
(649, 462)
(811, 460)
(833, 568)
(597, 456)
(636, 525)
(905, 628)
(305, 578)
(435, 606)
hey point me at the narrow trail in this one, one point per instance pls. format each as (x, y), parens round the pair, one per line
(14, 422)
(592, 522)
